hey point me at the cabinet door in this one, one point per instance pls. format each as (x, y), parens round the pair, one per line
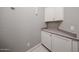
(59, 13)
(75, 46)
(50, 13)
(46, 39)
(61, 44)
(54, 13)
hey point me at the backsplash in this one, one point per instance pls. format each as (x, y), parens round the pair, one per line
(53, 25)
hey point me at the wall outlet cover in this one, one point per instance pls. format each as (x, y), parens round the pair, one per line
(72, 28)
(28, 44)
(36, 11)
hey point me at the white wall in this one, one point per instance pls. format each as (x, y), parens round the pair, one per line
(71, 18)
(20, 27)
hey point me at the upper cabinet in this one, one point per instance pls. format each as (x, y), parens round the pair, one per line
(54, 14)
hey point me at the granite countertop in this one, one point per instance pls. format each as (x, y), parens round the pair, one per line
(60, 33)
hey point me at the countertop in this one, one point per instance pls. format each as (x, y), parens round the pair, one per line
(60, 33)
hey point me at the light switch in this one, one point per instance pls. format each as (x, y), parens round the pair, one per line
(36, 11)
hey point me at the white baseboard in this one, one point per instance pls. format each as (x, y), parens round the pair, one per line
(30, 50)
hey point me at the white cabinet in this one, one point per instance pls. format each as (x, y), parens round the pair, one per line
(46, 39)
(49, 14)
(75, 46)
(54, 14)
(58, 43)
(59, 13)
(61, 44)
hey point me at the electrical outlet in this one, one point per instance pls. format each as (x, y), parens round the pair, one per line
(36, 11)
(72, 28)
(28, 44)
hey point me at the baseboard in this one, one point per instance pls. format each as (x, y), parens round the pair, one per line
(30, 50)
(45, 47)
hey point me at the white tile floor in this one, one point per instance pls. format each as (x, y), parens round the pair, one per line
(39, 48)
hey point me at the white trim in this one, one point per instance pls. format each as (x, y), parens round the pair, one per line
(30, 50)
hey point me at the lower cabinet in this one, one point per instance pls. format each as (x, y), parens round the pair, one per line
(46, 39)
(61, 44)
(57, 43)
(75, 46)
